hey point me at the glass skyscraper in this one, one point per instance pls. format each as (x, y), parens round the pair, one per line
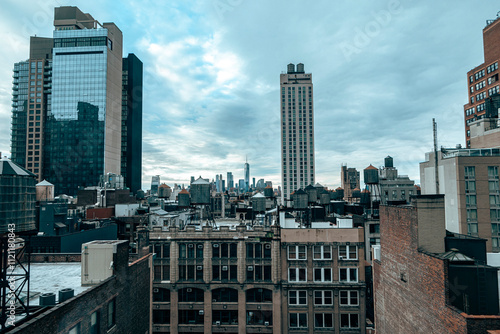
(72, 117)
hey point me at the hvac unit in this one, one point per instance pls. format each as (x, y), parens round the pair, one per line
(199, 267)
(216, 245)
(156, 290)
(224, 268)
(266, 323)
(268, 246)
(201, 312)
(190, 245)
(200, 246)
(189, 290)
(217, 323)
(250, 268)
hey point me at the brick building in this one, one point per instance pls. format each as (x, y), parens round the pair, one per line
(413, 284)
(257, 280)
(470, 180)
(482, 81)
(120, 303)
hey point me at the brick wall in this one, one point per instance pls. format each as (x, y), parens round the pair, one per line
(410, 286)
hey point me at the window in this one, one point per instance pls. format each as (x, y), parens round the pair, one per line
(349, 298)
(190, 272)
(191, 251)
(349, 320)
(258, 273)
(225, 250)
(258, 251)
(470, 172)
(224, 272)
(323, 320)
(190, 317)
(322, 274)
(374, 228)
(322, 252)
(348, 252)
(161, 295)
(225, 295)
(495, 235)
(298, 320)
(225, 317)
(191, 295)
(95, 320)
(297, 252)
(260, 318)
(75, 329)
(297, 297)
(297, 274)
(323, 297)
(161, 317)
(259, 295)
(348, 274)
(111, 313)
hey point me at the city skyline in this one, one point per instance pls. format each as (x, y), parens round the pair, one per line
(210, 87)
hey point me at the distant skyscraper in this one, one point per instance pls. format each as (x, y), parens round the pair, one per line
(67, 124)
(230, 180)
(131, 161)
(350, 180)
(246, 170)
(155, 183)
(297, 129)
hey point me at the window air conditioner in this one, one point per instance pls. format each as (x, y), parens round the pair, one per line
(189, 290)
(155, 290)
(266, 323)
(201, 312)
(341, 257)
(200, 246)
(224, 268)
(199, 267)
(268, 246)
(217, 323)
(190, 245)
(216, 245)
(250, 268)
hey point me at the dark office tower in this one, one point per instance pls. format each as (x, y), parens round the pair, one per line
(131, 163)
(67, 103)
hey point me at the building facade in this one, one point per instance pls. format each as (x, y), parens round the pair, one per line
(350, 180)
(67, 104)
(131, 159)
(297, 130)
(257, 280)
(482, 81)
(470, 180)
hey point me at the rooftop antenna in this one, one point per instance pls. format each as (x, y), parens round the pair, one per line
(436, 172)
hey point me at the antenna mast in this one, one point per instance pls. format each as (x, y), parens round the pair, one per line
(436, 171)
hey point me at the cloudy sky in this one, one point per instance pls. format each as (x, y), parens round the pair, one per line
(381, 71)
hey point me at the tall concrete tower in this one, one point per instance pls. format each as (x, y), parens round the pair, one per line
(297, 130)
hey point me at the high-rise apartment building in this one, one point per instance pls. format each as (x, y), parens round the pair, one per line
(230, 180)
(67, 104)
(482, 80)
(297, 130)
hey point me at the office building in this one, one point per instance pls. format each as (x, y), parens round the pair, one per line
(66, 121)
(297, 130)
(230, 180)
(131, 160)
(482, 81)
(246, 171)
(155, 184)
(261, 279)
(470, 180)
(350, 180)
(394, 187)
